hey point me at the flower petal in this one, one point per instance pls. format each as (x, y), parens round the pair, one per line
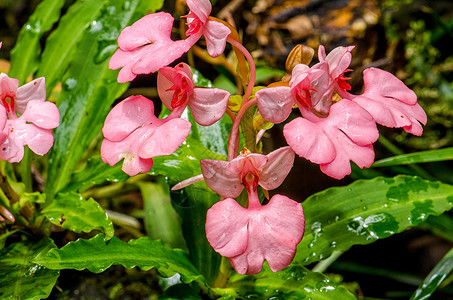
(274, 230)
(278, 165)
(226, 227)
(216, 35)
(201, 8)
(43, 114)
(166, 139)
(345, 135)
(391, 102)
(34, 90)
(165, 80)
(221, 180)
(275, 103)
(127, 116)
(208, 105)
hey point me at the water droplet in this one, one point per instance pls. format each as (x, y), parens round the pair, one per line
(95, 26)
(349, 190)
(333, 244)
(111, 10)
(337, 218)
(70, 84)
(310, 245)
(126, 5)
(364, 207)
(104, 53)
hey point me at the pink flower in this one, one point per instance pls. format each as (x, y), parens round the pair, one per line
(250, 236)
(177, 90)
(390, 101)
(199, 24)
(275, 103)
(345, 135)
(34, 127)
(146, 46)
(132, 132)
(227, 178)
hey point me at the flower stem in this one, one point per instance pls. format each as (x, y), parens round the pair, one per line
(235, 129)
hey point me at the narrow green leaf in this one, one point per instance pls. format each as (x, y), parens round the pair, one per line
(95, 172)
(161, 220)
(62, 41)
(367, 210)
(96, 255)
(71, 211)
(435, 277)
(89, 89)
(21, 279)
(418, 157)
(294, 282)
(25, 54)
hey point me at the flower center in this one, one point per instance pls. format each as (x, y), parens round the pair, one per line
(7, 96)
(182, 90)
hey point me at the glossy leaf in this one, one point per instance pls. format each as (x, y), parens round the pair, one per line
(435, 277)
(96, 255)
(71, 211)
(161, 220)
(62, 41)
(21, 279)
(368, 210)
(95, 172)
(417, 157)
(294, 282)
(192, 202)
(89, 89)
(25, 54)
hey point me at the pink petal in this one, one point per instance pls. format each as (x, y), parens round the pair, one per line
(276, 169)
(215, 34)
(345, 135)
(3, 119)
(146, 46)
(274, 230)
(41, 141)
(166, 139)
(323, 88)
(127, 116)
(339, 60)
(34, 90)
(201, 8)
(165, 81)
(308, 140)
(221, 180)
(227, 227)
(244, 164)
(391, 102)
(11, 152)
(208, 105)
(275, 103)
(43, 114)
(113, 152)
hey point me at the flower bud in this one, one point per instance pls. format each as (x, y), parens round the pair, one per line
(299, 55)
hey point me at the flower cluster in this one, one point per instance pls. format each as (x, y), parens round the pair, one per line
(336, 127)
(333, 132)
(34, 125)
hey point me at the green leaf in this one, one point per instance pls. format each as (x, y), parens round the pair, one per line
(193, 202)
(368, 210)
(62, 41)
(418, 157)
(435, 277)
(25, 54)
(95, 172)
(71, 211)
(294, 282)
(161, 220)
(96, 255)
(20, 279)
(89, 89)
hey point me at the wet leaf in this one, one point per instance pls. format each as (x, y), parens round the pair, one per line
(368, 210)
(71, 211)
(97, 254)
(435, 278)
(21, 279)
(294, 282)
